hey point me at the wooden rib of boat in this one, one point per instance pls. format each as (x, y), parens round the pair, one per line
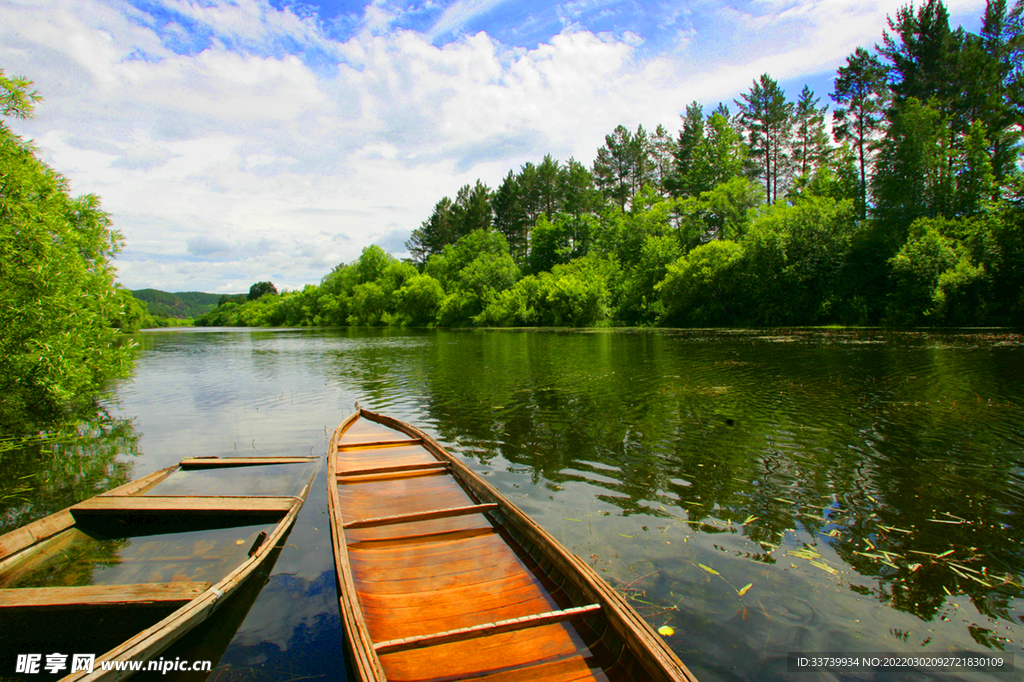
(441, 578)
(127, 573)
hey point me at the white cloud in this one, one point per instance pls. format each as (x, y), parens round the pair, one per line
(252, 146)
(459, 13)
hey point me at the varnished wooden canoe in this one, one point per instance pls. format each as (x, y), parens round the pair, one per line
(125, 574)
(441, 578)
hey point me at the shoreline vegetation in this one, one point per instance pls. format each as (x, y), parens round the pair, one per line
(910, 213)
(62, 312)
(907, 211)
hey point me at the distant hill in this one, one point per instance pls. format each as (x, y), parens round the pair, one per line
(180, 305)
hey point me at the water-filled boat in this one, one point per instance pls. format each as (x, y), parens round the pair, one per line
(119, 577)
(442, 578)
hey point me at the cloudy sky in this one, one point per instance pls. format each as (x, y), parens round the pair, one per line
(235, 141)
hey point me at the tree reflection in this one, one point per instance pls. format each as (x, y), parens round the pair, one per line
(901, 452)
(63, 463)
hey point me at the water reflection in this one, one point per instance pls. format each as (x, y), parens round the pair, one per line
(762, 493)
(44, 472)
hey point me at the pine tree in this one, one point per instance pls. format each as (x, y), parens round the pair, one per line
(809, 146)
(766, 117)
(860, 90)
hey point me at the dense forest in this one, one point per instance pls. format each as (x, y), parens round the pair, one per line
(180, 306)
(906, 208)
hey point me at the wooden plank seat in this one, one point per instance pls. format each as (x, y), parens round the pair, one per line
(217, 462)
(139, 594)
(377, 444)
(485, 629)
(345, 474)
(421, 516)
(105, 505)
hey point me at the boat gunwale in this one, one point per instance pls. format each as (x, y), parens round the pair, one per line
(156, 638)
(647, 647)
(363, 656)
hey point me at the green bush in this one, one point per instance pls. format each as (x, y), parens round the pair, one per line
(702, 287)
(59, 307)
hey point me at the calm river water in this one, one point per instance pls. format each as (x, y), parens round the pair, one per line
(761, 493)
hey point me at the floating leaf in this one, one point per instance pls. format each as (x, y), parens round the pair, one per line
(824, 567)
(750, 519)
(805, 553)
(666, 631)
(745, 589)
(624, 535)
(566, 518)
(709, 569)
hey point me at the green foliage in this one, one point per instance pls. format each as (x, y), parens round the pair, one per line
(451, 221)
(181, 305)
(721, 213)
(860, 92)
(571, 295)
(419, 300)
(753, 219)
(623, 165)
(560, 240)
(58, 339)
(369, 305)
(635, 300)
(913, 177)
(702, 288)
(934, 278)
(765, 116)
(371, 264)
(261, 289)
(795, 255)
(15, 97)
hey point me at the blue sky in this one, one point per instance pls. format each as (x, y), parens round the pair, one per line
(235, 141)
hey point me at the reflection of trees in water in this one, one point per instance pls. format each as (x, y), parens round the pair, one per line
(903, 455)
(71, 565)
(70, 461)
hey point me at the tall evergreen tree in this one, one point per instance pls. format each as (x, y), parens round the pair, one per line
(472, 209)
(691, 135)
(623, 165)
(663, 149)
(579, 195)
(723, 148)
(921, 53)
(914, 175)
(510, 217)
(434, 233)
(548, 188)
(1000, 87)
(611, 167)
(766, 117)
(860, 91)
(809, 145)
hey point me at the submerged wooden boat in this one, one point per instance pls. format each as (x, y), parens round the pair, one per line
(125, 574)
(441, 578)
